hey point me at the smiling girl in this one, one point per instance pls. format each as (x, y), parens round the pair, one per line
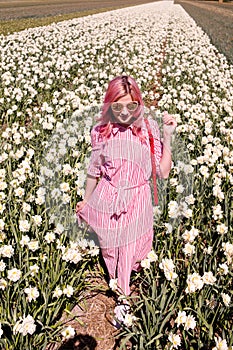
(117, 202)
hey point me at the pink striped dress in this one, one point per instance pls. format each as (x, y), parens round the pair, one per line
(120, 208)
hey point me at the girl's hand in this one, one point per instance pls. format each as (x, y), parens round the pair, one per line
(169, 124)
(80, 205)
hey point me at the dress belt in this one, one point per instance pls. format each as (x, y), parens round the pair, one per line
(119, 205)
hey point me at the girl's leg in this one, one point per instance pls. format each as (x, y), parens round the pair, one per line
(110, 256)
(127, 258)
(124, 268)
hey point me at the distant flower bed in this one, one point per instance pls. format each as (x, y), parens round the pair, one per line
(52, 83)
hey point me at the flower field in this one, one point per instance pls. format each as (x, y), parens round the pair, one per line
(53, 80)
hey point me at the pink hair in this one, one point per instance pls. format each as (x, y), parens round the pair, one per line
(118, 88)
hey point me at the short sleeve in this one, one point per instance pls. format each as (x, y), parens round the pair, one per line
(158, 145)
(94, 168)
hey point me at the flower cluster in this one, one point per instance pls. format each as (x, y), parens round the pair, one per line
(168, 267)
(196, 282)
(151, 257)
(188, 321)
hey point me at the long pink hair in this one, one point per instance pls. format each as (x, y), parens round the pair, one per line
(119, 87)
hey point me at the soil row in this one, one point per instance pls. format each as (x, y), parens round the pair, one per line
(216, 20)
(37, 9)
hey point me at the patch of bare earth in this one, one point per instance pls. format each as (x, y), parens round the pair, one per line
(92, 320)
(13, 9)
(216, 19)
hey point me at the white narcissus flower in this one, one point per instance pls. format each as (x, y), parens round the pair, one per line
(68, 332)
(37, 219)
(66, 198)
(19, 192)
(190, 199)
(26, 207)
(152, 256)
(175, 340)
(34, 269)
(223, 268)
(3, 284)
(189, 249)
(170, 275)
(2, 225)
(168, 227)
(228, 249)
(129, 320)
(24, 225)
(174, 181)
(2, 266)
(1, 331)
(7, 251)
(64, 187)
(14, 274)
(208, 250)
(217, 212)
(173, 209)
(204, 170)
(184, 210)
(190, 323)
(68, 291)
(50, 237)
(194, 282)
(222, 229)
(167, 265)
(156, 211)
(208, 278)
(33, 245)
(181, 318)
(226, 299)
(189, 236)
(220, 343)
(72, 255)
(25, 325)
(145, 263)
(2, 236)
(113, 284)
(94, 251)
(57, 292)
(67, 169)
(180, 188)
(32, 293)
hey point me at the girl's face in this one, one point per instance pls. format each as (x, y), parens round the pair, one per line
(123, 109)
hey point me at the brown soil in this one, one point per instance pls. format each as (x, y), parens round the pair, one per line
(92, 320)
(216, 19)
(13, 9)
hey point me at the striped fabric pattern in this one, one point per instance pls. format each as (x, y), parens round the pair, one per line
(120, 208)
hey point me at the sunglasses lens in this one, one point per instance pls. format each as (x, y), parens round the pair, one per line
(132, 106)
(117, 107)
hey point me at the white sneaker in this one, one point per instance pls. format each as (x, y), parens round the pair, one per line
(120, 312)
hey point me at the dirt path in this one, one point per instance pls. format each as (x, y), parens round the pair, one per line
(92, 320)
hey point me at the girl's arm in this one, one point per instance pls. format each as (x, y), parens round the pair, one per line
(169, 126)
(166, 159)
(90, 186)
